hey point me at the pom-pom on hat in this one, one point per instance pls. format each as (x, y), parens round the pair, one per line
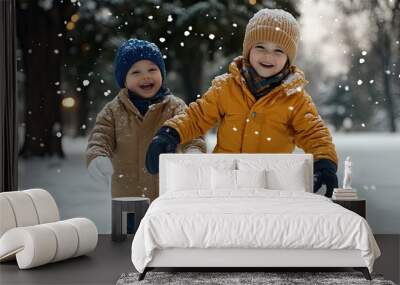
(132, 51)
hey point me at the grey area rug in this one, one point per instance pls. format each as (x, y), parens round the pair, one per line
(243, 278)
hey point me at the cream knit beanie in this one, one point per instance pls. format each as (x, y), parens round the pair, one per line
(273, 25)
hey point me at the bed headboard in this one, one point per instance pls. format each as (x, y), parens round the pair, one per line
(234, 161)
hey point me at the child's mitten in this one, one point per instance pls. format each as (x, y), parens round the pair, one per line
(101, 168)
(325, 173)
(165, 141)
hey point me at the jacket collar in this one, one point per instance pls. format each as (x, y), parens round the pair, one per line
(293, 83)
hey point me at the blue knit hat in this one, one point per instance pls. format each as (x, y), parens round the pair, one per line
(132, 51)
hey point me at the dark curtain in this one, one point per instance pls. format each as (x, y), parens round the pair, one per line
(8, 128)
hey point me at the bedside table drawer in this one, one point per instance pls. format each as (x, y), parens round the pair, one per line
(357, 206)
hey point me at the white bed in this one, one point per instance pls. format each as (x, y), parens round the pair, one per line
(247, 210)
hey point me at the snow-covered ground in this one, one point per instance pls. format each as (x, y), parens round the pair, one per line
(376, 176)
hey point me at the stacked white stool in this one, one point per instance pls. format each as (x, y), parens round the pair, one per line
(31, 230)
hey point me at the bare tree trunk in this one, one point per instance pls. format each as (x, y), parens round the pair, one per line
(386, 56)
(82, 111)
(42, 53)
(191, 72)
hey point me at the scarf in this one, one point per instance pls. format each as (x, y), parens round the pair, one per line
(261, 86)
(143, 104)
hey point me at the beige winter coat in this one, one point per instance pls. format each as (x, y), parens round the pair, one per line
(123, 134)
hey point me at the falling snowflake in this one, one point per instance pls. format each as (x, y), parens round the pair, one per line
(169, 19)
(59, 134)
(359, 82)
(190, 28)
(247, 120)
(85, 82)
(186, 33)
(56, 51)
(234, 129)
(164, 56)
(60, 35)
(269, 138)
(182, 44)
(83, 127)
(363, 125)
(198, 95)
(347, 123)
(120, 175)
(150, 17)
(371, 81)
(234, 25)
(291, 108)
(361, 60)
(257, 132)
(57, 83)
(211, 36)
(101, 81)
(161, 40)
(277, 29)
(346, 88)
(78, 89)
(364, 53)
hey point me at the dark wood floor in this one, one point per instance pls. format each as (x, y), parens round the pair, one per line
(110, 260)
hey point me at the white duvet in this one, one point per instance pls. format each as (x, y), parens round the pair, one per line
(253, 218)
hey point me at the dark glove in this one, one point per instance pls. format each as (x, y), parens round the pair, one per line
(325, 173)
(165, 141)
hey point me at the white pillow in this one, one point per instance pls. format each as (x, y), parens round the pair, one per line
(223, 179)
(227, 179)
(293, 180)
(183, 177)
(251, 178)
(281, 174)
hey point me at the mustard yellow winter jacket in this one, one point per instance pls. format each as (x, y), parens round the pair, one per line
(275, 123)
(123, 134)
